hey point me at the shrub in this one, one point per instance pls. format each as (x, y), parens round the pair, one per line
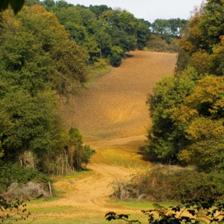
(10, 173)
(165, 137)
(162, 184)
(157, 43)
(116, 56)
(12, 211)
(73, 154)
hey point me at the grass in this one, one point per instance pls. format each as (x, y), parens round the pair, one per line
(62, 220)
(66, 214)
(124, 158)
(44, 212)
(73, 175)
(64, 184)
(142, 204)
(53, 210)
(98, 69)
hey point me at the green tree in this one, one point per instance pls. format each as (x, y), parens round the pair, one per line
(79, 153)
(38, 61)
(168, 27)
(16, 5)
(203, 124)
(52, 57)
(165, 138)
(116, 56)
(188, 119)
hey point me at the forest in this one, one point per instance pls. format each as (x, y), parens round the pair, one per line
(48, 50)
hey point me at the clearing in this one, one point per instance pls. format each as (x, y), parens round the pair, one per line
(113, 117)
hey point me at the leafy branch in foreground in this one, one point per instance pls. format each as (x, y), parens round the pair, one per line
(187, 214)
(12, 211)
(112, 216)
(16, 5)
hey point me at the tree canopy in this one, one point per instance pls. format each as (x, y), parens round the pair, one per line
(38, 63)
(16, 5)
(99, 29)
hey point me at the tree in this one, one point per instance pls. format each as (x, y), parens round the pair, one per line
(168, 27)
(38, 61)
(53, 57)
(16, 5)
(166, 139)
(98, 10)
(116, 56)
(203, 33)
(203, 124)
(98, 29)
(79, 153)
(188, 119)
(29, 123)
(142, 33)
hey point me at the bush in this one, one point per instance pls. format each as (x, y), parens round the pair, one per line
(116, 56)
(157, 43)
(166, 139)
(115, 60)
(11, 173)
(73, 155)
(12, 211)
(163, 184)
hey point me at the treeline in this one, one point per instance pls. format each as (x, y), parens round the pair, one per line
(165, 34)
(101, 31)
(168, 28)
(188, 109)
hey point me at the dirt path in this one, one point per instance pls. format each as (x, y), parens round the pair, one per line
(113, 118)
(92, 192)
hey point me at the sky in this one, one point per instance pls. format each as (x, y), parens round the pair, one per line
(149, 9)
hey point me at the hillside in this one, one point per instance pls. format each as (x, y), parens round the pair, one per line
(113, 109)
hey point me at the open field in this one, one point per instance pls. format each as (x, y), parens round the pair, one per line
(113, 117)
(114, 107)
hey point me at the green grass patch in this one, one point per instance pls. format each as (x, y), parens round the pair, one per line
(117, 157)
(98, 69)
(142, 204)
(53, 209)
(73, 175)
(61, 220)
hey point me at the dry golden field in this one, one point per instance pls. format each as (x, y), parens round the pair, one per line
(113, 109)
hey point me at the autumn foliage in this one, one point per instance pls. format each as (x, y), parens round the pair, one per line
(188, 109)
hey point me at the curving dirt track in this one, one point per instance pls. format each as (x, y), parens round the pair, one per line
(113, 118)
